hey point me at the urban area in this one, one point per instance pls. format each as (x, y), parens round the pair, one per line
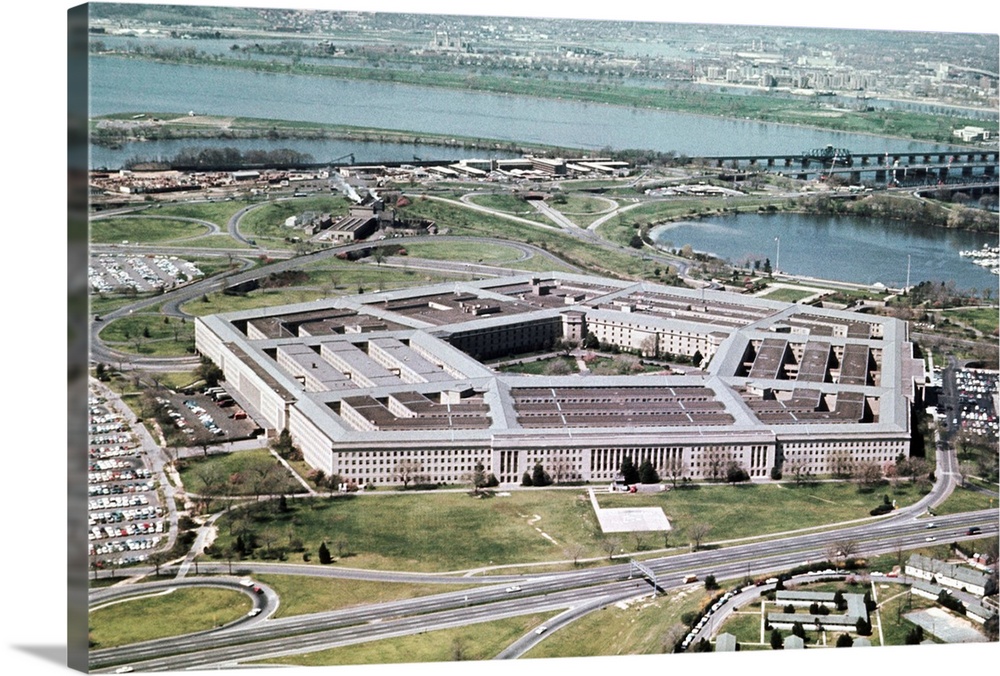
(368, 386)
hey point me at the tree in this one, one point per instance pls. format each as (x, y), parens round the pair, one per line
(647, 474)
(868, 474)
(539, 477)
(628, 471)
(863, 627)
(612, 545)
(710, 583)
(526, 479)
(479, 476)
(675, 469)
(716, 466)
(699, 532)
(324, 554)
(777, 640)
(845, 641)
(799, 630)
(406, 470)
(735, 473)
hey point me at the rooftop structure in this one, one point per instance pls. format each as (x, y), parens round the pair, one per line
(371, 383)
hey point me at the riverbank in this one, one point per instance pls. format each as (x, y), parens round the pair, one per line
(141, 126)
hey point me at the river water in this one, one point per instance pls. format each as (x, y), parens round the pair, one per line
(133, 85)
(862, 250)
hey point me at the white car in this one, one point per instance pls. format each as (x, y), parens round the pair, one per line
(254, 612)
(511, 590)
(541, 630)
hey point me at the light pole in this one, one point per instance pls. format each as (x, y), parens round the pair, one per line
(777, 255)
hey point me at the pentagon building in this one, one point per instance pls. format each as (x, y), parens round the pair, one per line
(371, 384)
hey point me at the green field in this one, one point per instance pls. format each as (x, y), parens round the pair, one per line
(388, 529)
(150, 334)
(552, 366)
(301, 595)
(986, 320)
(216, 212)
(143, 230)
(749, 510)
(787, 295)
(239, 474)
(640, 627)
(220, 302)
(966, 500)
(490, 253)
(473, 642)
(511, 204)
(189, 610)
(600, 259)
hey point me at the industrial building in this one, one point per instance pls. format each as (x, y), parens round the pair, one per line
(380, 386)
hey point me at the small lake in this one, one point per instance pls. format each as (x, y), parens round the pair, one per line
(861, 250)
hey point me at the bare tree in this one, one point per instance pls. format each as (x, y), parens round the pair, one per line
(699, 532)
(868, 474)
(574, 552)
(611, 546)
(675, 469)
(407, 471)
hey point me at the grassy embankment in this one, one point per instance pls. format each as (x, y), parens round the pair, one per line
(150, 334)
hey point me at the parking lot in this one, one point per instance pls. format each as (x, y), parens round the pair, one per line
(976, 411)
(125, 520)
(213, 416)
(111, 272)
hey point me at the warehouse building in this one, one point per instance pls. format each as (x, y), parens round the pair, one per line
(380, 386)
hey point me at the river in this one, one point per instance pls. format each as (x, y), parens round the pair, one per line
(134, 85)
(849, 249)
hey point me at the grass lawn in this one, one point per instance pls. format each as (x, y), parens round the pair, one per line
(472, 252)
(774, 507)
(787, 295)
(510, 204)
(636, 628)
(219, 302)
(474, 642)
(461, 221)
(965, 500)
(236, 473)
(142, 229)
(437, 532)
(553, 366)
(895, 601)
(149, 334)
(745, 626)
(189, 610)
(985, 319)
(301, 595)
(215, 212)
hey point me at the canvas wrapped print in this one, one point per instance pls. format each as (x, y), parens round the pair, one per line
(425, 338)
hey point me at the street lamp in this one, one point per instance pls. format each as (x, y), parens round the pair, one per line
(777, 256)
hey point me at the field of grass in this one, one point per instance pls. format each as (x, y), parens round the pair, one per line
(390, 530)
(637, 628)
(543, 366)
(510, 204)
(472, 252)
(220, 302)
(748, 510)
(787, 295)
(189, 610)
(894, 602)
(215, 212)
(150, 334)
(301, 595)
(983, 319)
(473, 642)
(235, 474)
(461, 221)
(745, 626)
(965, 500)
(143, 230)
